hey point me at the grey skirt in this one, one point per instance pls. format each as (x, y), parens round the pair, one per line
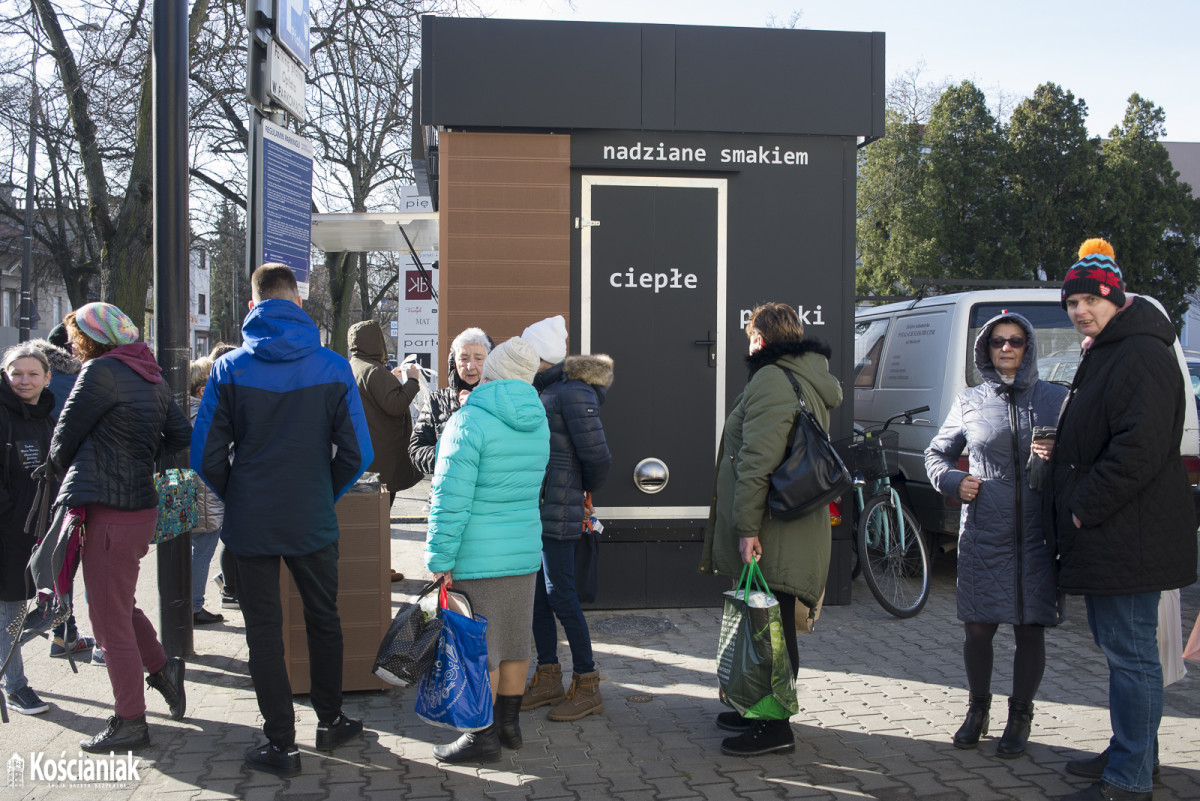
(507, 603)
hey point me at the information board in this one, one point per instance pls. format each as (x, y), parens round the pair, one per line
(286, 197)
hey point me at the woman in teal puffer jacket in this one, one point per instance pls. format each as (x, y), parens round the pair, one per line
(485, 528)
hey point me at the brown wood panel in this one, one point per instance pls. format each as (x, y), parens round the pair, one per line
(505, 221)
(542, 147)
(545, 197)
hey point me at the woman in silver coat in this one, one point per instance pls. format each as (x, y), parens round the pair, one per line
(1005, 566)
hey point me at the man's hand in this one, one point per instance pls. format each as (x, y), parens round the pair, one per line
(750, 549)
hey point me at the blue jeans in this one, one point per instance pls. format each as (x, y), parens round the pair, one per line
(204, 545)
(14, 674)
(316, 578)
(1126, 627)
(554, 596)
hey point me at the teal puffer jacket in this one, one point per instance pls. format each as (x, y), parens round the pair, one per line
(483, 519)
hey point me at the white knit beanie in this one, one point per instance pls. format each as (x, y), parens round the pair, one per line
(513, 358)
(549, 338)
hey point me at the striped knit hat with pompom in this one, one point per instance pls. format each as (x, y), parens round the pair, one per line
(1096, 273)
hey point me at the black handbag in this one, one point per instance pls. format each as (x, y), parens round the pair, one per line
(811, 474)
(409, 648)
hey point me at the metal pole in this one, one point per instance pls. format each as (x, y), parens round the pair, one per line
(27, 239)
(171, 284)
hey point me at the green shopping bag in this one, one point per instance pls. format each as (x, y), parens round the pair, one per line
(753, 669)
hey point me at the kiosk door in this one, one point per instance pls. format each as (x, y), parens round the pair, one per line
(653, 255)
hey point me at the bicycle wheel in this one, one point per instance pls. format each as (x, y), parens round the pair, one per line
(898, 574)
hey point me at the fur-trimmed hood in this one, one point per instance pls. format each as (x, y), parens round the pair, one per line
(774, 351)
(61, 361)
(594, 368)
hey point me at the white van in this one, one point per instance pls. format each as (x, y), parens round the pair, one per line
(922, 352)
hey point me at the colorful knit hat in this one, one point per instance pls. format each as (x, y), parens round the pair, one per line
(1096, 273)
(106, 324)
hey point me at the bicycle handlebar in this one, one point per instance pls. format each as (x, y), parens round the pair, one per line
(907, 415)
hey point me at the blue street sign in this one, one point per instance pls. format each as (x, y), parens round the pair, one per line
(291, 29)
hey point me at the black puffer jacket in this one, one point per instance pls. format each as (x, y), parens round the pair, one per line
(1117, 465)
(579, 457)
(422, 446)
(26, 429)
(119, 419)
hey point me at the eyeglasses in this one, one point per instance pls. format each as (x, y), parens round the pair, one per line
(1013, 342)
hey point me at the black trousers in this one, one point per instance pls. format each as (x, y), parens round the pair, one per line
(787, 616)
(316, 579)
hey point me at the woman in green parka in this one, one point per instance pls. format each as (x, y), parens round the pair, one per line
(793, 554)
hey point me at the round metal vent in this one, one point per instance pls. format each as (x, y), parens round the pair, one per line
(651, 475)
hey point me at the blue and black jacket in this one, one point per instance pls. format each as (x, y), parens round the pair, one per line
(280, 435)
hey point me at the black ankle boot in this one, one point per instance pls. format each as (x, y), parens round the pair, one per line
(120, 734)
(474, 746)
(976, 724)
(506, 717)
(169, 681)
(1016, 732)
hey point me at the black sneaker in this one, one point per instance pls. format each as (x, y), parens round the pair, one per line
(120, 734)
(1093, 767)
(338, 733)
(27, 702)
(205, 617)
(763, 737)
(733, 721)
(169, 682)
(270, 758)
(229, 601)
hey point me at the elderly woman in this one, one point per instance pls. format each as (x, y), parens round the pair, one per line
(793, 554)
(485, 529)
(118, 420)
(1005, 567)
(468, 352)
(26, 423)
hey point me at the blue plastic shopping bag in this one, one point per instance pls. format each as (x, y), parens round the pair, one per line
(456, 692)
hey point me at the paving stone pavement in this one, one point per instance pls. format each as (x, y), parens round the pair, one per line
(879, 699)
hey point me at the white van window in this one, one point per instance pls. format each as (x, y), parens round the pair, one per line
(868, 347)
(916, 353)
(1058, 341)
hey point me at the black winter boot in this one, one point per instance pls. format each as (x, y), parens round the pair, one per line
(506, 716)
(120, 734)
(169, 681)
(1016, 731)
(976, 724)
(474, 746)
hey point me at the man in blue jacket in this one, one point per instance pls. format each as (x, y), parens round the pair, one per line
(280, 436)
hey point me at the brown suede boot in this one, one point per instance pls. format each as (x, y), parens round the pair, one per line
(544, 688)
(583, 698)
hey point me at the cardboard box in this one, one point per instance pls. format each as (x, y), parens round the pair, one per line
(364, 595)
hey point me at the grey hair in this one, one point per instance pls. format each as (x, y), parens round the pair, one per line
(25, 350)
(471, 336)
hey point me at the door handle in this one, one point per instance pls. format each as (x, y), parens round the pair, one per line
(711, 344)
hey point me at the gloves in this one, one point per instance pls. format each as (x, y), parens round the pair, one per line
(1037, 469)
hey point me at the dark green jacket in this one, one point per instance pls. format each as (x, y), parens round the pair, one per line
(795, 553)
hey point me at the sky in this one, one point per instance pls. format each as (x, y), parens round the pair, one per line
(1101, 51)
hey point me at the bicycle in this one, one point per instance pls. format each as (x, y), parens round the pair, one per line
(890, 547)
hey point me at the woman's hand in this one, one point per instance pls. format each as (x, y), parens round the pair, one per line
(1075, 520)
(463, 394)
(445, 576)
(750, 549)
(968, 488)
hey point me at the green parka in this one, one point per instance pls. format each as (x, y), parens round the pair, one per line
(795, 553)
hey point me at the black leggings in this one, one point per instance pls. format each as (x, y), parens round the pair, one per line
(1029, 663)
(787, 616)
